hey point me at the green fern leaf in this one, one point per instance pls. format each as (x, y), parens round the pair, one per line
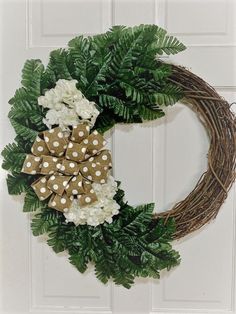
(168, 95)
(14, 157)
(118, 106)
(148, 113)
(43, 222)
(80, 60)
(24, 131)
(31, 77)
(58, 64)
(141, 216)
(32, 202)
(17, 184)
(79, 261)
(168, 45)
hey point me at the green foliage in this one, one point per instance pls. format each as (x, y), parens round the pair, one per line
(120, 72)
(17, 183)
(14, 157)
(24, 130)
(119, 107)
(168, 44)
(31, 78)
(43, 221)
(32, 202)
(58, 64)
(132, 246)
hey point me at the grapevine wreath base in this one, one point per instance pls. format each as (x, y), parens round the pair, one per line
(59, 161)
(204, 202)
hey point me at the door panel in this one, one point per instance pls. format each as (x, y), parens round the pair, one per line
(159, 161)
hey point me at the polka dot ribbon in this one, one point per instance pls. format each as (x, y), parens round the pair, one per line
(67, 164)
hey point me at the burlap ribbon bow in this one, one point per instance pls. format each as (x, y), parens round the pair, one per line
(67, 165)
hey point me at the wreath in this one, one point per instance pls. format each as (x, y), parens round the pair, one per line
(60, 162)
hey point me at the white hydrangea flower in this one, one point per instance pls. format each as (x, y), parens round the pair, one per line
(67, 105)
(99, 212)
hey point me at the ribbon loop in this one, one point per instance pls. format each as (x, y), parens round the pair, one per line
(55, 141)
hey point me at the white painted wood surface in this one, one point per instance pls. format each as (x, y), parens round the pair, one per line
(158, 161)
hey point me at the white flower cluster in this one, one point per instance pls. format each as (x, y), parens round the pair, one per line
(67, 105)
(99, 212)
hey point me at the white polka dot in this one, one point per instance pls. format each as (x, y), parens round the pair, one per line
(53, 203)
(45, 164)
(95, 142)
(80, 183)
(41, 198)
(52, 178)
(65, 146)
(28, 165)
(51, 131)
(104, 157)
(86, 156)
(42, 190)
(58, 166)
(71, 198)
(92, 191)
(63, 200)
(74, 179)
(95, 132)
(38, 139)
(81, 133)
(105, 168)
(87, 199)
(95, 151)
(40, 148)
(98, 173)
(75, 173)
(52, 151)
(60, 135)
(93, 165)
(70, 145)
(46, 139)
(63, 168)
(91, 158)
(102, 181)
(73, 138)
(90, 178)
(43, 180)
(83, 150)
(55, 144)
(37, 159)
(87, 128)
(51, 172)
(74, 192)
(54, 159)
(72, 165)
(75, 154)
(85, 169)
(55, 186)
(60, 154)
(33, 172)
(67, 187)
(85, 141)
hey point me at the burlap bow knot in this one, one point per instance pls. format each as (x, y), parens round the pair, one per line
(68, 164)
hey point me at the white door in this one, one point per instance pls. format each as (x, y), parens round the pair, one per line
(36, 280)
